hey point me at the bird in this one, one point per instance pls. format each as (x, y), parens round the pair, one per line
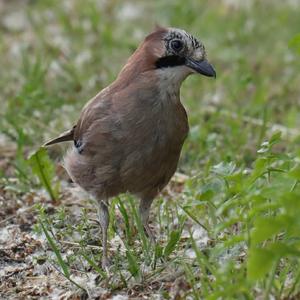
(129, 137)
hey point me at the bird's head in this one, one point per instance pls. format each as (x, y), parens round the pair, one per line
(181, 49)
(173, 52)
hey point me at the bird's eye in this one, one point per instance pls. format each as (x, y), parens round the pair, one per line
(177, 45)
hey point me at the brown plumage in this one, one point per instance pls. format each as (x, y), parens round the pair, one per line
(129, 136)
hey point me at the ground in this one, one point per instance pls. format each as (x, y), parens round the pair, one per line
(227, 225)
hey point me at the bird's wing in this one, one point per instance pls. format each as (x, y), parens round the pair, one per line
(65, 136)
(89, 116)
(96, 120)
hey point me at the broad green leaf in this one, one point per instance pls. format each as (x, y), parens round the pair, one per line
(259, 167)
(282, 249)
(291, 202)
(265, 228)
(260, 262)
(206, 195)
(275, 138)
(295, 172)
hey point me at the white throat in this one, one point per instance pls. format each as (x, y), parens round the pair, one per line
(170, 80)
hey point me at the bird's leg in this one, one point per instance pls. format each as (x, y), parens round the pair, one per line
(144, 210)
(103, 215)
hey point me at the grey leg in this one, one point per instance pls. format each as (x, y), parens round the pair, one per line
(145, 205)
(103, 215)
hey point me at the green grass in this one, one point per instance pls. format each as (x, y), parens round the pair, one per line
(231, 230)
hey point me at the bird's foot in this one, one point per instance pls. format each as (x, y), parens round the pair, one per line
(105, 263)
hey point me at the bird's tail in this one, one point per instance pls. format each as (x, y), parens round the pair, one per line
(64, 137)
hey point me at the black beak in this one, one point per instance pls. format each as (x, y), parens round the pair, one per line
(203, 67)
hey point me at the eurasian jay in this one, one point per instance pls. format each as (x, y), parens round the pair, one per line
(129, 136)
